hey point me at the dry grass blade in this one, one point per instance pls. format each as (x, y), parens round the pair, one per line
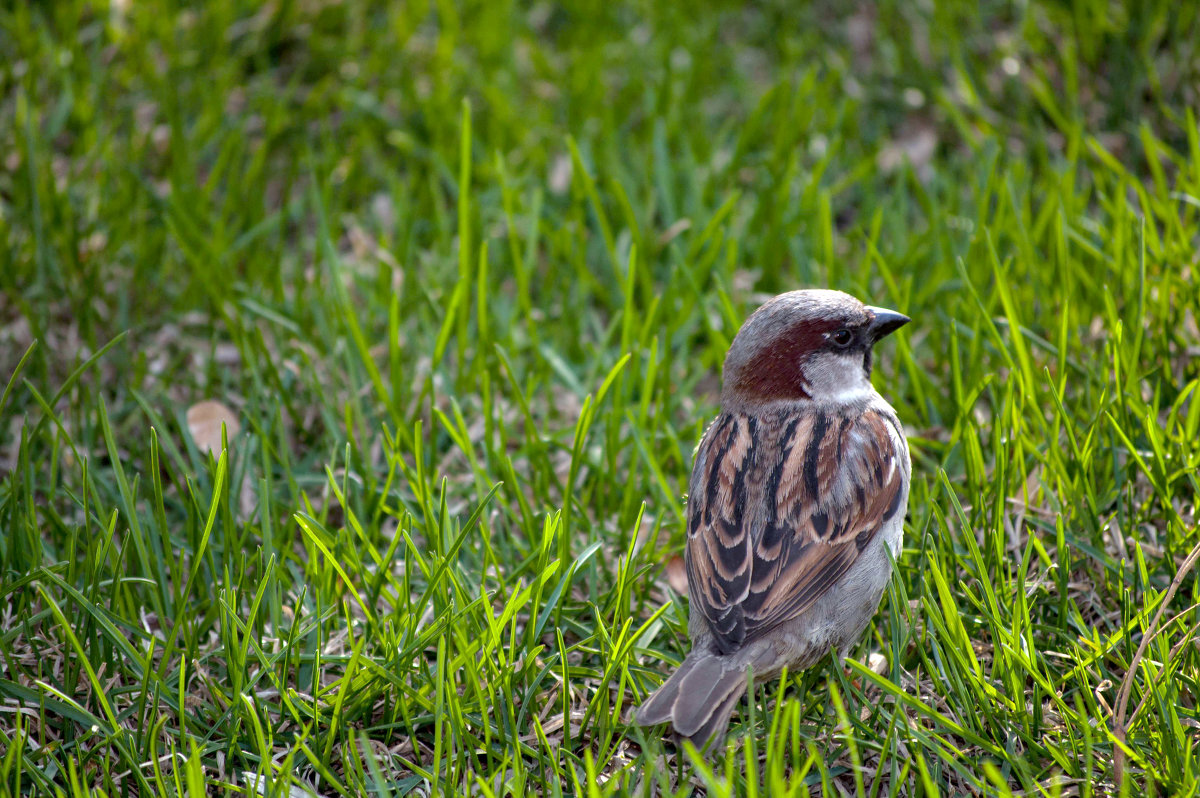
(1119, 730)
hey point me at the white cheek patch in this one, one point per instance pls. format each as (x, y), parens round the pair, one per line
(837, 378)
(856, 393)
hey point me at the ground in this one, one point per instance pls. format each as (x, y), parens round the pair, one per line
(460, 277)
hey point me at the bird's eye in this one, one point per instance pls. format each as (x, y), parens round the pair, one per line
(842, 338)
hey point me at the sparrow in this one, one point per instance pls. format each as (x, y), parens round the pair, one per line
(795, 506)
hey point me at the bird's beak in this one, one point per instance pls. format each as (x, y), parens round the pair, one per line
(885, 322)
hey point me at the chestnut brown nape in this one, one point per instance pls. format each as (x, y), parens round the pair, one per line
(765, 361)
(773, 370)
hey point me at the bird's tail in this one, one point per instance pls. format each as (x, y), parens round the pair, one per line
(698, 698)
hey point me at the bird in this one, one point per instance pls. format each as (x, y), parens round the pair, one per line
(795, 506)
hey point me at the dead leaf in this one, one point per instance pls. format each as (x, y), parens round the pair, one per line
(677, 576)
(916, 144)
(204, 420)
(860, 32)
(675, 230)
(560, 174)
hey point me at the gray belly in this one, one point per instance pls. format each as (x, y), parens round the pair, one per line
(840, 616)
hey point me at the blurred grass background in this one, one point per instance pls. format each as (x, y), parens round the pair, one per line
(466, 273)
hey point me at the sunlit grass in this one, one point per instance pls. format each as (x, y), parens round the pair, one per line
(467, 273)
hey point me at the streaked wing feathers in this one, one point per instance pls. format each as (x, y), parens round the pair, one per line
(719, 575)
(778, 511)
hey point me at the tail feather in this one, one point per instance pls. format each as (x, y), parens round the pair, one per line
(660, 706)
(718, 721)
(706, 688)
(698, 699)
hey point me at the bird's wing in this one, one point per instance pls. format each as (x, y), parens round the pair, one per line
(757, 558)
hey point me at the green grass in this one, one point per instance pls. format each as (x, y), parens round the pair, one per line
(467, 272)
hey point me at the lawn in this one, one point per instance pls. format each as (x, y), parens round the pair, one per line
(463, 275)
